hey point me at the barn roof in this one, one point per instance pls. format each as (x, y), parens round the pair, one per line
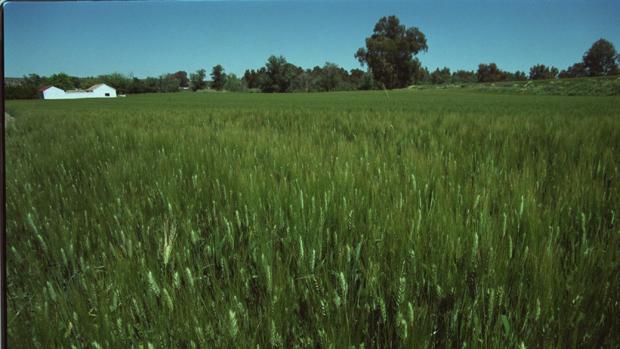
(43, 88)
(96, 86)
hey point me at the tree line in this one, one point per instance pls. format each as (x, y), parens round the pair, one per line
(277, 75)
(389, 56)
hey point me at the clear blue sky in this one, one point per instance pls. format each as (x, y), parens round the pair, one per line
(151, 38)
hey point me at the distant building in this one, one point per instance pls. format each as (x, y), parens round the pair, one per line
(95, 91)
(51, 92)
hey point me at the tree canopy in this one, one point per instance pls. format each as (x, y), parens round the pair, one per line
(601, 59)
(490, 73)
(233, 83)
(390, 52)
(576, 70)
(182, 76)
(62, 81)
(169, 83)
(197, 80)
(218, 78)
(441, 76)
(278, 75)
(542, 72)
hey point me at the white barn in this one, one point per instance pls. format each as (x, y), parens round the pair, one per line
(95, 91)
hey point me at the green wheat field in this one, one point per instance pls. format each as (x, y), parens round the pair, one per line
(411, 219)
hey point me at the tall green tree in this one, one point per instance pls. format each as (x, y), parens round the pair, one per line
(520, 76)
(601, 58)
(279, 75)
(390, 52)
(218, 78)
(62, 81)
(136, 85)
(169, 83)
(356, 76)
(182, 76)
(332, 77)
(441, 76)
(117, 80)
(303, 82)
(249, 78)
(463, 76)
(490, 73)
(151, 84)
(197, 80)
(422, 76)
(234, 84)
(542, 72)
(32, 80)
(576, 70)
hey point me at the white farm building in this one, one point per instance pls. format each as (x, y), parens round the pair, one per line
(95, 91)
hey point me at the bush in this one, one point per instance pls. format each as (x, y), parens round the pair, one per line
(20, 92)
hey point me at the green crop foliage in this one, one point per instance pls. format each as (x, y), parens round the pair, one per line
(589, 86)
(414, 219)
